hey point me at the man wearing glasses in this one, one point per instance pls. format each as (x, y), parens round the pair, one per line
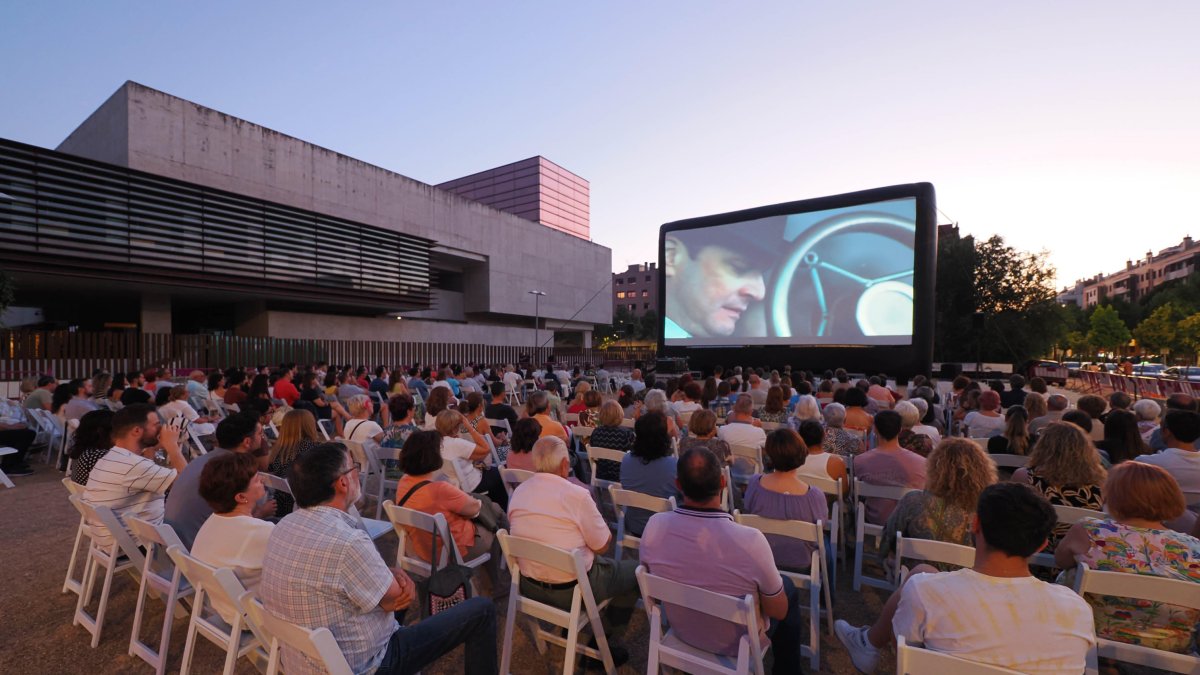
(322, 571)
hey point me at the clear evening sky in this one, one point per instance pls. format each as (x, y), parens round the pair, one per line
(1073, 128)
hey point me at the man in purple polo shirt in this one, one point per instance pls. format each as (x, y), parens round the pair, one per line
(699, 544)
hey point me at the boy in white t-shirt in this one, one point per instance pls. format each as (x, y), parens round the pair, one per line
(995, 612)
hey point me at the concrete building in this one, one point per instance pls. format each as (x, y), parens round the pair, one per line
(535, 189)
(1138, 278)
(219, 225)
(636, 289)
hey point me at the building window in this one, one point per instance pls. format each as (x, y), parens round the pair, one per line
(620, 294)
(645, 294)
(620, 281)
(632, 280)
(646, 306)
(647, 277)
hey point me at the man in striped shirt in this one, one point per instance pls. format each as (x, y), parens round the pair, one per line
(125, 479)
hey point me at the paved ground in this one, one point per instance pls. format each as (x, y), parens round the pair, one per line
(37, 635)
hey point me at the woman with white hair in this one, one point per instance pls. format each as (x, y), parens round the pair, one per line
(1148, 412)
(910, 416)
(656, 401)
(838, 440)
(807, 410)
(360, 427)
(922, 428)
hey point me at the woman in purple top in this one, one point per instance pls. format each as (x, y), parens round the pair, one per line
(782, 495)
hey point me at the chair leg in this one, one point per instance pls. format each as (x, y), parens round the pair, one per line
(138, 608)
(572, 644)
(814, 628)
(85, 590)
(69, 584)
(189, 645)
(510, 624)
(5, 480)
(858, 561)
(164, 645)
(109, 573)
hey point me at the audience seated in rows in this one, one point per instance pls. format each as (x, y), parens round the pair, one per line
(648, 467)
(1029, 626)
(472, 408)
(956, 473)
(888, 464)
(1148, 412)
(1094, 406)
(700, 545)
(41, 398)
(76, 399)
(537, 406)
(177, 405)
(420, 489)
(550, 509)
(186, 509)
(525, 434)
(857, 417)
(782, 494)
(126, 479)
(497, 409)
(1131, 536)
(656, 401)
(321, 571)
(1056, 405)
(838, 440)
(361, 427)
(910, 439)
(987, 420)
(297, 435)
(232, 536)
(774, 409)
(1180, 431)
(464, 452)
(820, 463)
(1122, 441)
(403, 410)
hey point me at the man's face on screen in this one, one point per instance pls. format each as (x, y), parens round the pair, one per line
(708, 293)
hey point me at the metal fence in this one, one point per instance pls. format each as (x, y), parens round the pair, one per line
(77, 354)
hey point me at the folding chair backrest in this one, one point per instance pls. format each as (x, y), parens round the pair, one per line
(430, 525)
(363, 452)
(628, 422)
(1137, 586)
(514, 477)
(450, 472)
(863, 490)
(327, 428)
(147, 533)
(1006, 461)
(1069, 515)
(745, 454)
(624, 499)
(319, 645)
(503, 423)
(106, 517)
(813, 533)
(930, 550)
(73, 487)
(217, 583)
(520, 548)
(831, 488)
(919, 661)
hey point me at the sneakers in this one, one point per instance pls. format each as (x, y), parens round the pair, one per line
(862, 653)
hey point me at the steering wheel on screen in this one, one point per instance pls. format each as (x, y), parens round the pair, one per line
(849, 275)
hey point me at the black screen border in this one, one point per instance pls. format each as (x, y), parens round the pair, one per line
(904, 360)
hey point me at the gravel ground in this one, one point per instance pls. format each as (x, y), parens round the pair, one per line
(38, 531)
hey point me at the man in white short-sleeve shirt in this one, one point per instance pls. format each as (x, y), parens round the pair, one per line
(550, 509)
(996, 612)
(699, 544)
(740, 428)
(1180, 430)
(125, 479)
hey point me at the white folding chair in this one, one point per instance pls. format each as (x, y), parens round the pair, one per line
(623, 500)
(327, 429)
(276, 483)
(863, 529)
(50, 430)
(981, 442)
(727, 501)
(119, 556)
(450, 472)
(928, 550)
(68, 438)
(374, 527)
(772, 426)
(222, 585)
(920, 661)
(582, 433)
(70, 584)
(404, 519)
(1067, 515)
(318, 645)
(367, 455)
(502, 423)
(668, 650)
(1006, 461)
(167, 581)
(747, 462)
(628, 423)
(4, 479)
(584, 612)
(835, 525)
(600, 485)
(571, 418)
(816, 578)
(1158, 590)
(514, 477)
(197, 444)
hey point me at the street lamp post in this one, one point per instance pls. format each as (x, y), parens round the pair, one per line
(537, 299)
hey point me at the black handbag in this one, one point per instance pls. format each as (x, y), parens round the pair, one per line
(445, 587)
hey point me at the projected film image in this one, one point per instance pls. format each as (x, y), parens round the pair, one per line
(835, 277)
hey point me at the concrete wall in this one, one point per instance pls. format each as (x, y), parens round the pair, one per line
(295, 324)
(104, 135)
(173, 137)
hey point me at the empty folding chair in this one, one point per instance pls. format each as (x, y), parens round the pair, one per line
(120, 555)
(222, 585)
(318, 645)
(584, 612)
(668, 650)
(816, 578)
(928, 550)
(403, 518)
(863, 530)
(921, 661)
(1150, 590)
(623, 500)
(165, 581)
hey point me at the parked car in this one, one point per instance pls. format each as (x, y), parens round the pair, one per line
(1072, 368)
(1145, 369)
(1052, 372)
(1189, 373)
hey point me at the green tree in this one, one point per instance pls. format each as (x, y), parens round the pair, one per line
(647, 325)
(1158, 333)
(1187, 333)
(1108, 331)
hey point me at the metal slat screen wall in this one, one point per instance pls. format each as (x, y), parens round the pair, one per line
(60, 209)
(25, 353)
